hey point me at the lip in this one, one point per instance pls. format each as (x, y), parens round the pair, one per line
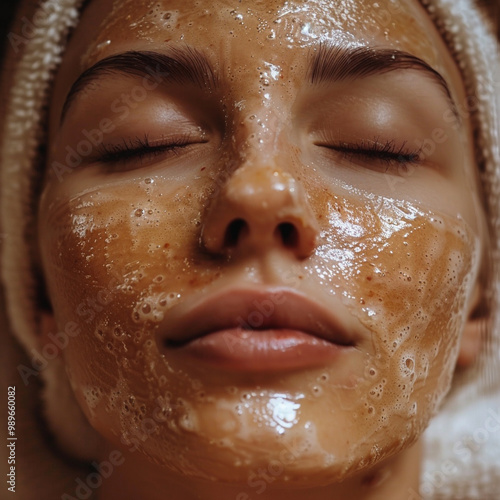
(256, 329)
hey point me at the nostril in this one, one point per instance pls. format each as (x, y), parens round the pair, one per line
(288, 234)
(235, 230)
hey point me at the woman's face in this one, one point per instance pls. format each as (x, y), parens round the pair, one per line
(264, 223)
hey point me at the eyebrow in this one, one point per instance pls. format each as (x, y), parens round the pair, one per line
(332, 63)
(184, 65)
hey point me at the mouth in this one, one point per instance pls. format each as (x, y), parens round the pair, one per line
(256, 330)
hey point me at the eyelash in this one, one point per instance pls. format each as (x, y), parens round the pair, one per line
(387, 152)
(140, 148)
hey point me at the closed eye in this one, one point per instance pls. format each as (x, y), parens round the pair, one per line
(388, 153)
(139, 149)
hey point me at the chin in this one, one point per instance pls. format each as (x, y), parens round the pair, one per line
(255, 458)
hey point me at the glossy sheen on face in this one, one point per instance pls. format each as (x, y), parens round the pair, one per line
(403, 273)
(122, 246)
(295, 23)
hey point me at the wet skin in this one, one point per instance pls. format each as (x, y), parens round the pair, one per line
(356, 194)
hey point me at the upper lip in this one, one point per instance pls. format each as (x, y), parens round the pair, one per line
(259, 308)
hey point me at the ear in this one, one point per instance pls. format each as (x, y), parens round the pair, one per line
(471, 342)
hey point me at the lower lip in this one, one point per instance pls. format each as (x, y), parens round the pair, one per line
(262, 350)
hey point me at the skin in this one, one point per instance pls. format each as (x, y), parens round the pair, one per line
(393, 249)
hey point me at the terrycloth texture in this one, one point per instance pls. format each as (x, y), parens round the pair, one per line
(22, 136)
(24, 126)
(463, 442)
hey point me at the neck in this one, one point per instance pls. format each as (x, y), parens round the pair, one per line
(395, 479)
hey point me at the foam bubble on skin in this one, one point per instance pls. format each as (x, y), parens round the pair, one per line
(157, 17)
(386, 240)
(273, 413)
(153, 308)
(93, 396)
(357, 24)
(154, 19)
(143, 420)
(332, 27)
(448, 256)
(386, 228)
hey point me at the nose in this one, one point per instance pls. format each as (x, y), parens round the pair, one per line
(257, 210)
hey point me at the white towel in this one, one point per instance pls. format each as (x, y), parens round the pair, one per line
(462, 452)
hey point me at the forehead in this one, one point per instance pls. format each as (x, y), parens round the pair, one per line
(299, 22)
(254, 27)
(239, 36)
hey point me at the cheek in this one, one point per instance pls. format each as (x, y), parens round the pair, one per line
(115, 261)
(124, 241)
(406, 274)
